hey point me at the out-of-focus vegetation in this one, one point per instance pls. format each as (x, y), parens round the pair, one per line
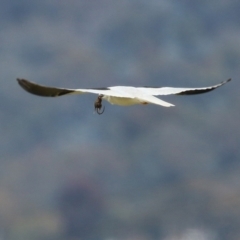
(142, 172)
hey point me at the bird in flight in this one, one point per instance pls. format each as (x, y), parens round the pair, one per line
(119, 95)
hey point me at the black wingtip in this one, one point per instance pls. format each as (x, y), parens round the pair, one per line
(41, 90)
(19, 80)
(226, 81)
(23, 83)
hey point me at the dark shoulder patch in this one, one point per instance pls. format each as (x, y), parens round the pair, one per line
(63, 92)
(102, 88)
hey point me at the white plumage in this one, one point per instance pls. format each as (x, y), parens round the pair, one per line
(119, 95)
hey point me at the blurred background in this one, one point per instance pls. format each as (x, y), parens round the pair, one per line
(134, 173)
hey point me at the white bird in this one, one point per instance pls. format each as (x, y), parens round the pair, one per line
(119, 95)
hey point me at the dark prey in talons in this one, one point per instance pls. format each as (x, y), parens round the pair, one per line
(98, 105)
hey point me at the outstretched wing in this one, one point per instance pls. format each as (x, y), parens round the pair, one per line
(46, 91)
(180, 91)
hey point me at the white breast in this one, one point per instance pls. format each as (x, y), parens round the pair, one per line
(121, 101)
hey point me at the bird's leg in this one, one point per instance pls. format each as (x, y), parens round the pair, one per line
(98, 105)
